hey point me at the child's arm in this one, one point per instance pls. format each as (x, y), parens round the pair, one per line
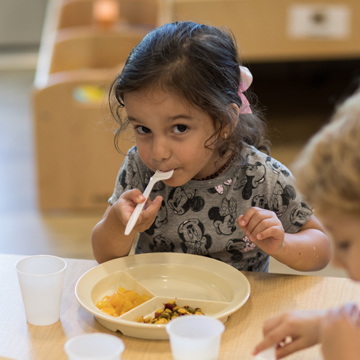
(308, 249)
(108, 238)
(303, 327)
(340, 333)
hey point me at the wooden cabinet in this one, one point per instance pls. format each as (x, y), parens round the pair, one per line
(269, 30)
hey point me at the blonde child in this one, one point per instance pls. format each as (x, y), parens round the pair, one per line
(182, 88)
(328, 173)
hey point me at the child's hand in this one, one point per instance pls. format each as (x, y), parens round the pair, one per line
(340, 333)
(126, 204)
(263, 228)
(292, 331)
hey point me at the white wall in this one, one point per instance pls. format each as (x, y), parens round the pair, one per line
(21, 22)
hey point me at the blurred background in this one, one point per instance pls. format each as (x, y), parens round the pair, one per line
(57, 58)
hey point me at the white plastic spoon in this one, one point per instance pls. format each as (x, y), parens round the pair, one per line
(158, 176)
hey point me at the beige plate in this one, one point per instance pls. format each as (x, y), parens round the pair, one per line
(217, 288)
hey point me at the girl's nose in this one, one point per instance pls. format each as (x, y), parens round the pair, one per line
(160, 149)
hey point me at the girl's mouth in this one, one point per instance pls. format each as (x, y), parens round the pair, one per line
(166, 170)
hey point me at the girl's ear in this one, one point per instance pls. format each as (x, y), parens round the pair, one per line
(228, 129)
(237, 113)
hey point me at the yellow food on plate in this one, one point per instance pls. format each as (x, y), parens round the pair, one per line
(121, 301)
(170, 311)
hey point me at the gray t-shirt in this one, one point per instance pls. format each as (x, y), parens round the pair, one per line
(200, 217)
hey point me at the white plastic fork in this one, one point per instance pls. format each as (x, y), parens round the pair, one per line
(267, 354)
(158, 176)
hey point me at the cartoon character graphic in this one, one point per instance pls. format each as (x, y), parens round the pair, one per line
(240, 264)
(253, 175)
(260, 201)
(194, 241)
(161, 244)
(219, 189)
(238, 246)
(300, 214)
(161, 219)
(158, 186)
(255, 264)
(224, 219)
(129, 178)
(181, 200)
(281, 198)
(276, 167)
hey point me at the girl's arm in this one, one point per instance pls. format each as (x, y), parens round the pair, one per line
(309, 249)
(108, 238)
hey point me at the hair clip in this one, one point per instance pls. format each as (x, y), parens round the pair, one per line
(245, 82)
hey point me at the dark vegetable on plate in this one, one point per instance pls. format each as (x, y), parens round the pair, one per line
(170, 311)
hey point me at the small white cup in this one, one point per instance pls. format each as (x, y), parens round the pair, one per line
(195, 337)
(95, 346)
(41, 279)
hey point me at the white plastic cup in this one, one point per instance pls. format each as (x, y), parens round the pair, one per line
(41, 279)
(95, 346)
(195, 337)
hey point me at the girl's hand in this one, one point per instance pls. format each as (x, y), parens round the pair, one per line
(263, 228)
(126, 204)
(340, 333)
(292, 331)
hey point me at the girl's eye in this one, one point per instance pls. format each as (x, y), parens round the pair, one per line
(142, 130)
(179, 129)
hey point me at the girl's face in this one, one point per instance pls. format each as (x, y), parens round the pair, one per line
(344, 230)
(170, 134)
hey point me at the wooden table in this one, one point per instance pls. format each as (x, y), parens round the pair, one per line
(271, 294)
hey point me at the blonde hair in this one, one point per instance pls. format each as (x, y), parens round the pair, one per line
(328, 168)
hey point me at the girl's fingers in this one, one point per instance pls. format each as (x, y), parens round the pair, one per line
(273, 337)
(290, 348)
(149, 214)
(241, 221)
(263, 225)
(244, 219)
(148, 203)
(273, 232)
(259, 217)
(156, 203)
(126, 204)
(348, 311)
(272, 323)
(134, 195)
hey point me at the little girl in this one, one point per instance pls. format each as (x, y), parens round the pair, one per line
(182, 88)
(328, 173)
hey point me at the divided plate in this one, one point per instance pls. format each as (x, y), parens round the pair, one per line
(215, 287)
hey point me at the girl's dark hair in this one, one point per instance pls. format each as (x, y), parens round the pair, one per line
(200, 63)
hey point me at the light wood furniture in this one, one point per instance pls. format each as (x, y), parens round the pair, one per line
(75, 13)
(262, 28)
(271, 294)
(77, 161)
(84, 48)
